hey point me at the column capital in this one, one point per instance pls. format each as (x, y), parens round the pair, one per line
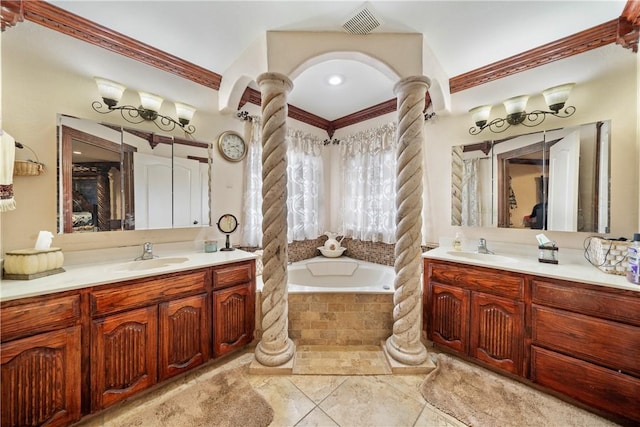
(275, 79)
(402, 84)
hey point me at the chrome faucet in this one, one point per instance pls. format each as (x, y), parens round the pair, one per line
(482, 247)
(147, 251)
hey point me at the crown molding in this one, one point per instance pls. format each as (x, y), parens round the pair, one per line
(10, 13)
(60, 20)
(629, 26)
(581, 42)
(623, 31)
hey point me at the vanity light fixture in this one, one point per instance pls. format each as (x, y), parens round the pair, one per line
(111, 93)
(555, 97)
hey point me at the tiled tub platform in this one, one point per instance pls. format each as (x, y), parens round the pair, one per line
(340, 318)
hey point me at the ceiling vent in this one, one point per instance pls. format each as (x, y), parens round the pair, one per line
(362, 21)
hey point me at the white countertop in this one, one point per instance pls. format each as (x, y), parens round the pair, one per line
(524, 259)
(99, 267)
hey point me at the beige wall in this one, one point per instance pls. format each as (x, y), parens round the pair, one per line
(612, 96)
(32, 96)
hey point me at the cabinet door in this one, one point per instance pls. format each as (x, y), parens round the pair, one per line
(233, 318)
(184, 335)
(41, 379)
(123, 355)
(497, 331)
(449, 317)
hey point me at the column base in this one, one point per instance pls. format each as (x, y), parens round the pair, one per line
(275, 358)
(257, 368)
(402, 368)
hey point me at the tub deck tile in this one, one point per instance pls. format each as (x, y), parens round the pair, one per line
(340, 360)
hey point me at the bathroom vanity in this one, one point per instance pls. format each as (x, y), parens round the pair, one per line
(578, 338)
(72, 352)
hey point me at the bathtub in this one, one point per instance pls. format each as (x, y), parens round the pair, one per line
(338, 301)
(340, 275)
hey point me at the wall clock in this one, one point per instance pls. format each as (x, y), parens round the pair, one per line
(227, 224)
(232, 146)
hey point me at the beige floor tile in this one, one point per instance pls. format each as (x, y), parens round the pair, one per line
(432, 417)
(366, 401)
(289, 404)
(317, 387)
(407, 384)
(317, 418)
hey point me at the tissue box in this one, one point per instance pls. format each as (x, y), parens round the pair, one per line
(26, 264)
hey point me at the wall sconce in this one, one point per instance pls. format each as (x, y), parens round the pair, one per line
(555, 97)
(111, 93)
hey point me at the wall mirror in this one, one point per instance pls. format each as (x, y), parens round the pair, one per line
(115, 178)
(554, 180)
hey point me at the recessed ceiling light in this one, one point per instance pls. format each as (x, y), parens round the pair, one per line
(77, 152)
(335, 80)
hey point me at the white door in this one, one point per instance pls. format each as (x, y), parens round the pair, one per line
(564, 161)
(152, 178)
(187, 193)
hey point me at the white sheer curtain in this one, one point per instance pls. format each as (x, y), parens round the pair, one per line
(304, 186)
(470, 200)
(369, 184)
(252, 221)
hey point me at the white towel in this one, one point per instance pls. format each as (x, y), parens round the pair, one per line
(7, 156)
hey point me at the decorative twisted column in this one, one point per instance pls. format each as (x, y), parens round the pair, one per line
(275, 348)
(405, 345)
(456, 185)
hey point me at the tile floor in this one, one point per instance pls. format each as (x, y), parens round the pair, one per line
(318, 400)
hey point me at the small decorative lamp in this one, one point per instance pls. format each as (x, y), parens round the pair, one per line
(185, 113)
(515, 108)
(480, 114)
(556, 96)
(110, 91)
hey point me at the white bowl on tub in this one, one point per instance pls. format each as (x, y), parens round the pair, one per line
(335, 253)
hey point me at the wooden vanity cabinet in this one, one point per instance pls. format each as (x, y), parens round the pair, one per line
(146, 330)
(68, 354)
(184, 335)
(477, 312)
(233, 307)
(586, 344)
(579, 340)
(41, 361)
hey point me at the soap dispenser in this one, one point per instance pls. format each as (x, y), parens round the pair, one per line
(457, 243)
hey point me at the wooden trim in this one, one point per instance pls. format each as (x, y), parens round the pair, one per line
(60, 20)
(307, 117)
(623, 31)
(366, 114)
(11, 12)
(631, 12)
(250, 95)
(629, 26)
(581, 42)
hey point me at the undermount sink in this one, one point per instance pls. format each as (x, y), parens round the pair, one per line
(150, 264)
(498, 259)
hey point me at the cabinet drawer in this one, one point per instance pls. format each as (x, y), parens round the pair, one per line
(233, 275)
(605, 342)
(600, 303)
(496, 282)
(45, 314)
(599, 387)
(146, 292)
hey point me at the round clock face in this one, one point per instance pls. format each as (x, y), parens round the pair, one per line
(227, 223)
(232, 146)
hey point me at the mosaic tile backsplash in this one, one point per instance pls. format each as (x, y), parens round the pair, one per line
(376, 252)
